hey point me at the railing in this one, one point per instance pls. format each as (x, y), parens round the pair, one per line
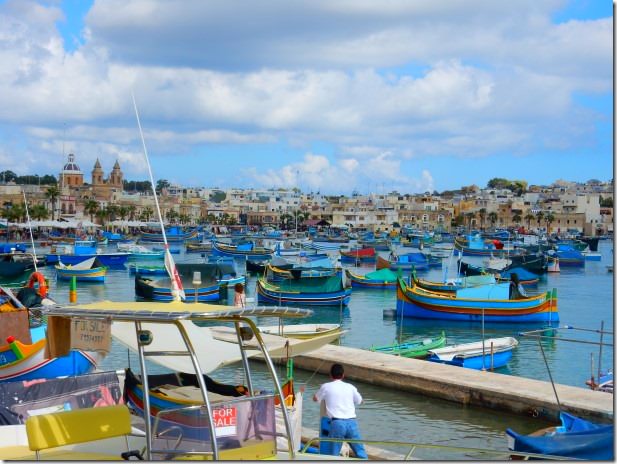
(412, 447)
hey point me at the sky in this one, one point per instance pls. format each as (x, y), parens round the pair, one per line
(330, 96)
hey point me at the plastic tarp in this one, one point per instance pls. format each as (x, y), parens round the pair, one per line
(328, 284)
(576, 438)
(382, 274)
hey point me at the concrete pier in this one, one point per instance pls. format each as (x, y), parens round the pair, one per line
(534, 398)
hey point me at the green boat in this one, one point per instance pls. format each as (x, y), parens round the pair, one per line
(412, 349)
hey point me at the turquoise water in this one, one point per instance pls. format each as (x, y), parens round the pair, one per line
(585, 299)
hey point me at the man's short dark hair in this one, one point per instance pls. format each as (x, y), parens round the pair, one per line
(337, 371)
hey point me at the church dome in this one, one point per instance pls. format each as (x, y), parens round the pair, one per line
(71, 167)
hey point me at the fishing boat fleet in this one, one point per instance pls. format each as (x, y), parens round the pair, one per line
(294, 279)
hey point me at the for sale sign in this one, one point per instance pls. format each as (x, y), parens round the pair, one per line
(225, 421)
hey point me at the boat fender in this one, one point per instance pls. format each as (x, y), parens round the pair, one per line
(40, 279)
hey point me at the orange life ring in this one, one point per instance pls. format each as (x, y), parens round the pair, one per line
(40, 278)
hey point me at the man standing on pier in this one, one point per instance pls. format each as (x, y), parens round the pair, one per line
(340, 399)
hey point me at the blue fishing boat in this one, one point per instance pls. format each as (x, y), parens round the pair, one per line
(244, 250)
(90, 270)
(569, 256)
(476, 245)
(492, 354)
(404, 262)
(576, 438)
(490, 302)
(83, 250)
(314, 291)
(173, 235)
(381, 279)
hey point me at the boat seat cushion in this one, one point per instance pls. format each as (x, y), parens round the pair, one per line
(77, 426)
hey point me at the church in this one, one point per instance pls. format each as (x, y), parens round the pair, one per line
(102, 189)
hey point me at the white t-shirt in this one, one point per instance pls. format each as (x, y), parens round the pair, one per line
(340, 399)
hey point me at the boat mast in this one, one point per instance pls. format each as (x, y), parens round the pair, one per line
(30, 228)
(176, 283)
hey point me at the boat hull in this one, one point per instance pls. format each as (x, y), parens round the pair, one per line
(270, 296)
(110, 260)
(479, 362)
(417, 303)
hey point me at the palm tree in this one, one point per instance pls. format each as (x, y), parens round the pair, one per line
(529, 217)
(482, 213)
(492, 216)
(172, 215)
(112, 212)
(549, 218)
(540, 217)
(39, 212)
(102, 214)
(131, 210)
(147, 213)
(91, 206)
(516, 218)
(52, 194)
(123, 211)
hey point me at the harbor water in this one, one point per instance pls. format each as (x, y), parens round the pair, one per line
(585, 300)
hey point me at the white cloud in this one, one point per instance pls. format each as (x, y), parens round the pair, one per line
(383, 82)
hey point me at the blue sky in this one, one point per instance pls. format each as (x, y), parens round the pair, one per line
(352, 95)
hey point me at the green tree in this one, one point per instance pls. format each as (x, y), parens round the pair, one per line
(161, 184)
(91, 206)
(123, 212)
(112, 211)
(52, 194)
(147, 213)
(8, 176)
(131, 211)
(39, 212)
(217, 196)
(516, 218)
(171, 215)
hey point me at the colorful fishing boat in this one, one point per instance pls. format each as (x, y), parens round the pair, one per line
(576, 438)
(413, 348)
(200, 283)
(23, 356)
(173, 235)
(314, 291)
(201, 247)
(473, 304)
(147, 270)
(381, 279)
(90, 270)
(476, 245)
(140, 252)
(404, 262)
(244, 250)
(22, 361)
(359, 255)
(451, 286)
